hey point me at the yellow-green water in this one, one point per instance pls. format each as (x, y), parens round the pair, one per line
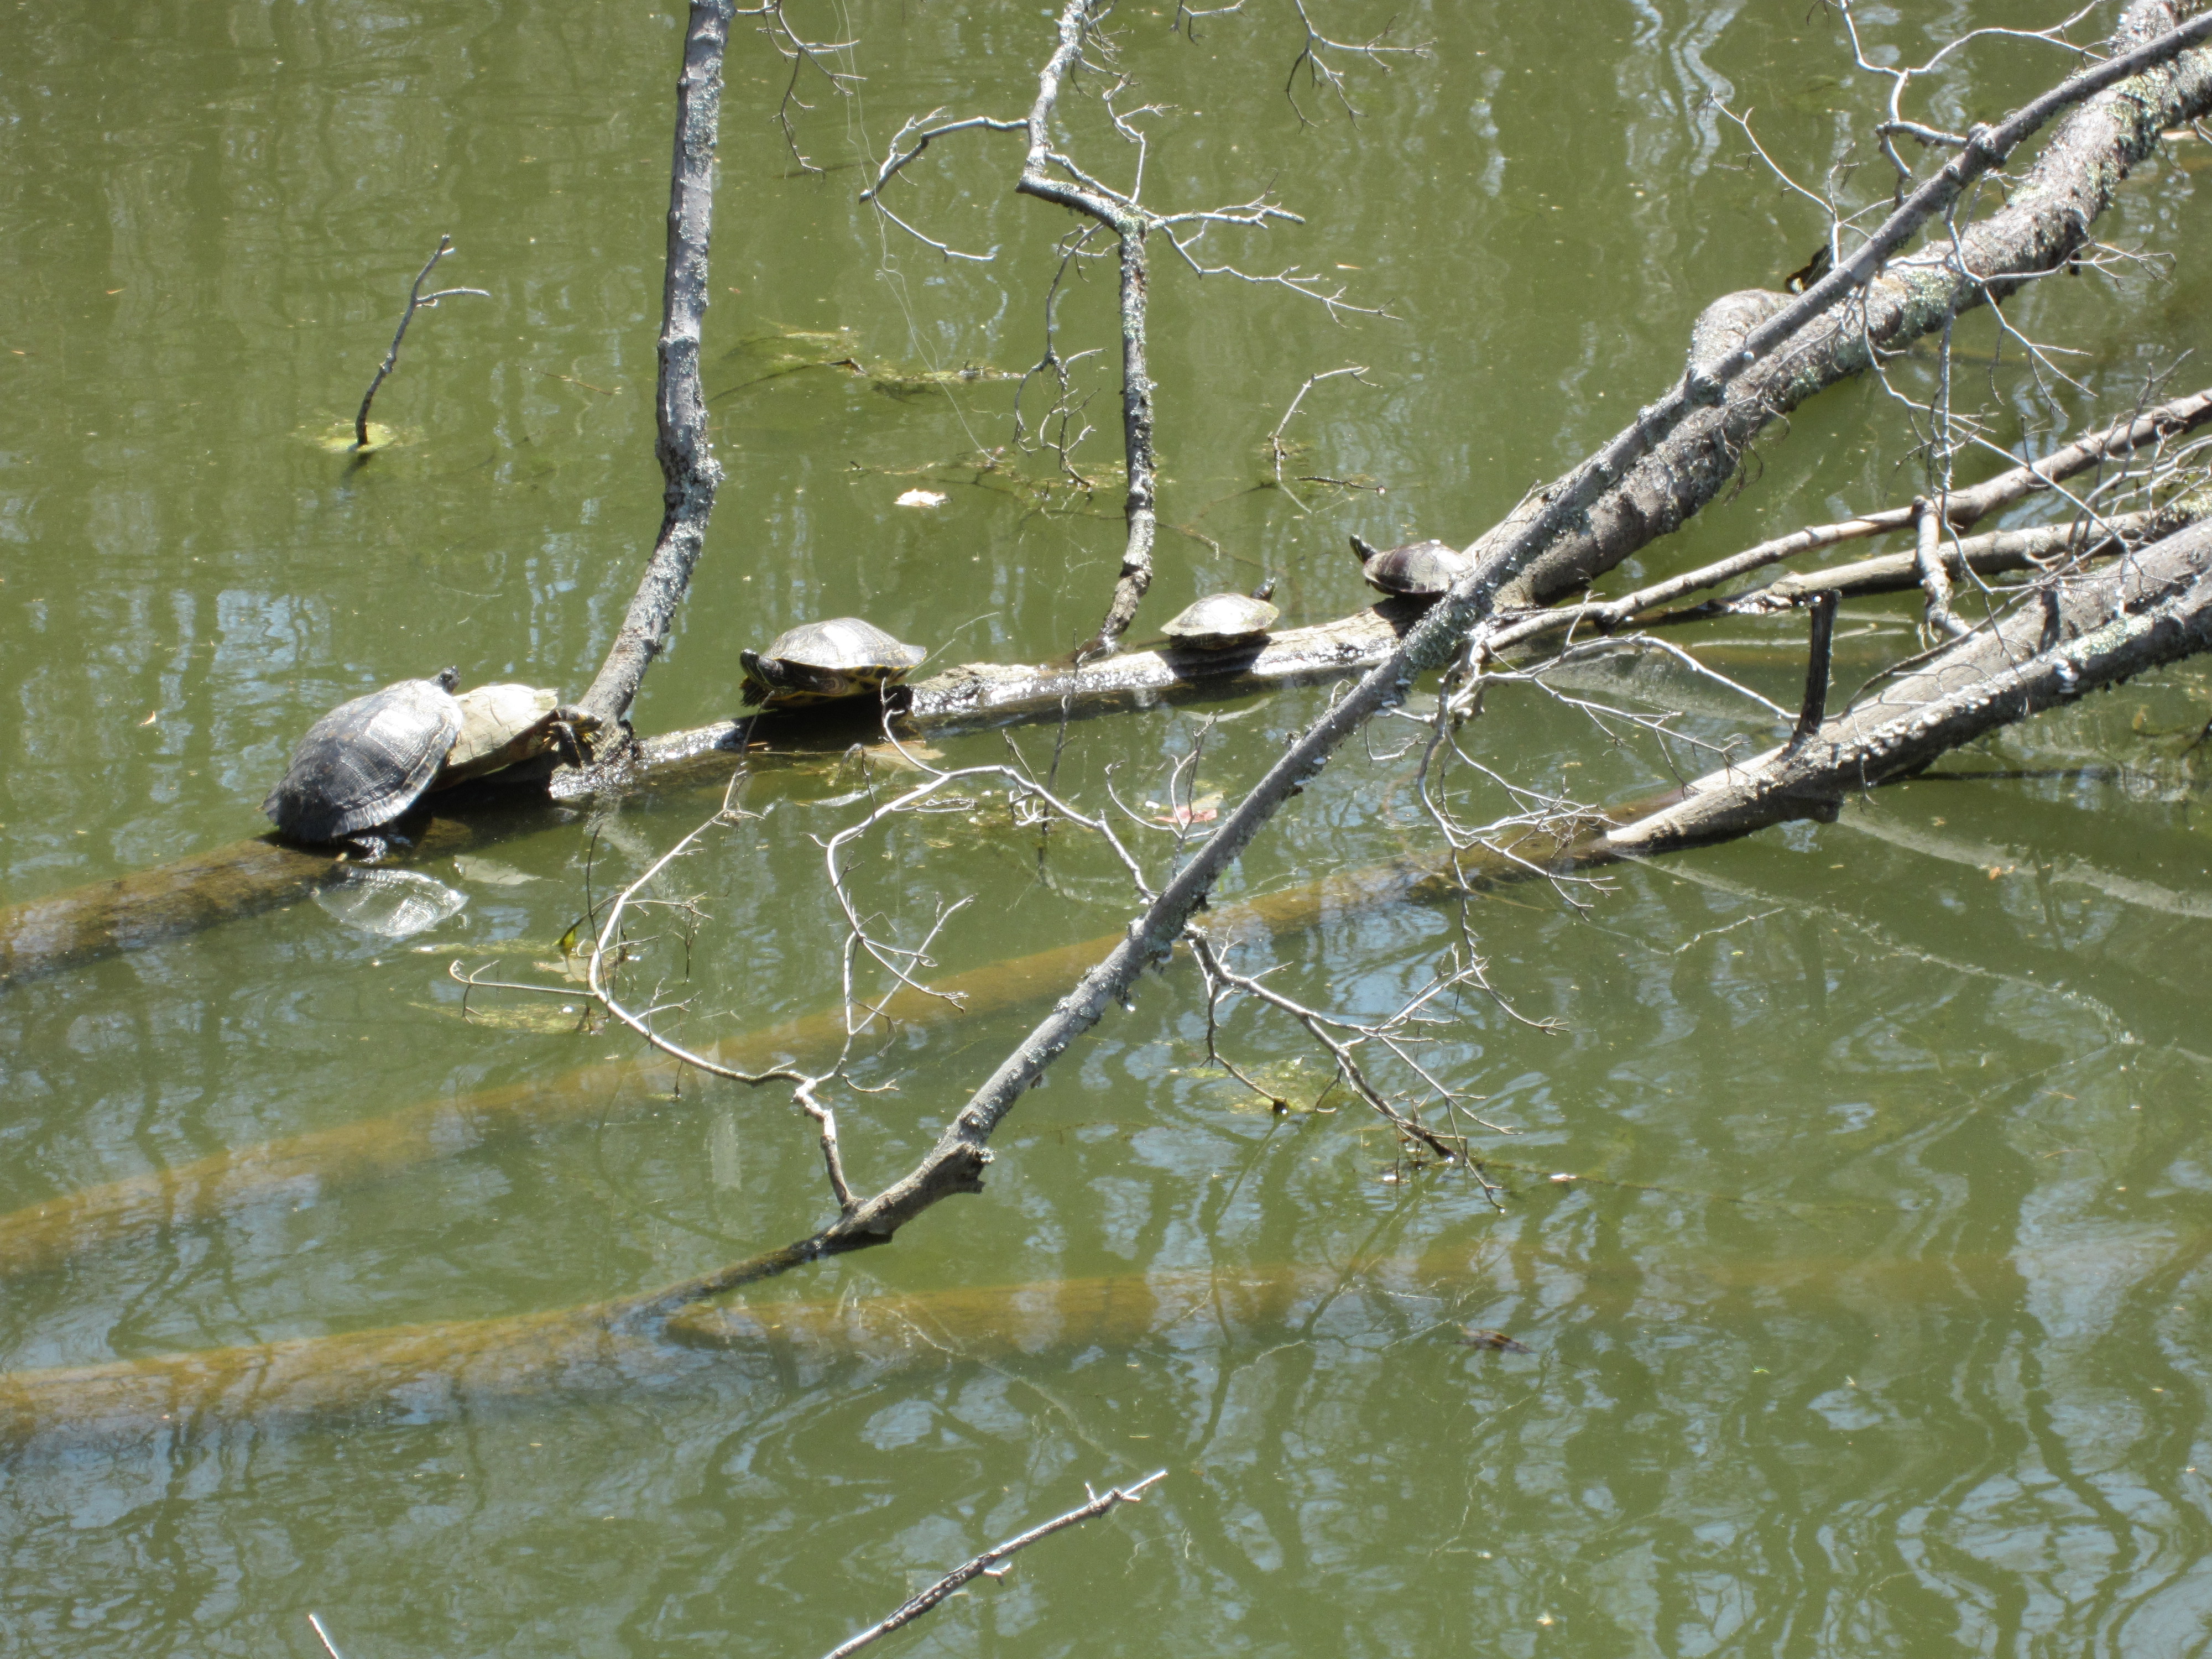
(1879, 1324)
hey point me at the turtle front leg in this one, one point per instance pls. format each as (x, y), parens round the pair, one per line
(574, 731)
(371, 845)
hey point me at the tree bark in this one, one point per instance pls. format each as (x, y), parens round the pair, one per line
(2041, 227)
(2067, 639)
(687, 464)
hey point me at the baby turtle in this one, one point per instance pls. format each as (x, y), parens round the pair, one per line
(504, 724)
(818, 660)
(366, 762)
(1222, 620)
(1418, 569)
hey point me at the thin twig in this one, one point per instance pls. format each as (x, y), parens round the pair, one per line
(989, 1562)
(417, 300)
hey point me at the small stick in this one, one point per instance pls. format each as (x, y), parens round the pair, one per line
(324, 1637)
(1934, 580)
(1815, 707)
(417, 300)
(989, 1560)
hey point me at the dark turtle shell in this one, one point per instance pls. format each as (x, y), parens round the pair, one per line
(1419, 570)
(1221, 620)
(821, 659)
(366, 762)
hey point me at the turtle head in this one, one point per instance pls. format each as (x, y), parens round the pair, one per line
(763, 675)
(1265, 591)
(1362, 550)
(448, 679)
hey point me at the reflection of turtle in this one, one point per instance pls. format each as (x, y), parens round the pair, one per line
(819, 660)
(366, 762)
(1222, 620)
(504, 724)
(1418, 569)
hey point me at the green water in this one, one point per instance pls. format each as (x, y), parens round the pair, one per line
(1876, 1322)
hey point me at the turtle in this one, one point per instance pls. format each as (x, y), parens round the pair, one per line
(366, 762)
(1418, 569)
(504, 724)
(1222, 620)
(818, 660)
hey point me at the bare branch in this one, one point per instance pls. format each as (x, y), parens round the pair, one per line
(417, 300)
(991, 1562)
(1319, 72)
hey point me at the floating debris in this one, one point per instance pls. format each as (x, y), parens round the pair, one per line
(1477, 1337)
(922, 498)
(491, 872)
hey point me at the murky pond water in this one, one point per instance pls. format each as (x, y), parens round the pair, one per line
(1875, 1318)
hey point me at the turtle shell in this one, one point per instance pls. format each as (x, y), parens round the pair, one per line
(1221, 620)
(832, 658)
(366, 762)
(1419, 570)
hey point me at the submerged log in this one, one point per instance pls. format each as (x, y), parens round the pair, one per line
(45, 1234)
(438, 1372)
(432, 1371)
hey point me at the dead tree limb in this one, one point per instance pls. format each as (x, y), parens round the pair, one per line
(1129, 225)
(992, 1562)
(687, 462)
(1874, 301)
(2068, 638)
(1050, 175)
(1999, 553)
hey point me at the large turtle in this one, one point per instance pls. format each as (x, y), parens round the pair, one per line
(1416, 570)
(818, 660)
(1220, 621)
(366, 762)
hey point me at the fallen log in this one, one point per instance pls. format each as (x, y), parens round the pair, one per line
(2044, 224)
(2067, 638)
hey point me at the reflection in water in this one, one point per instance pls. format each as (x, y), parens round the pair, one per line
(392, 904)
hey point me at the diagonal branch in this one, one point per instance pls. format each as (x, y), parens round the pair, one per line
(991, 1562)
(957, 1163)
(687, 461)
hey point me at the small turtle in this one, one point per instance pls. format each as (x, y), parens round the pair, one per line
(1418, 570)
(1222, 620)
(366, 762)
(818, 660)
(504, 724)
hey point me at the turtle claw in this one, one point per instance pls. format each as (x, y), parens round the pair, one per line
(572, 730)
(372, 848)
